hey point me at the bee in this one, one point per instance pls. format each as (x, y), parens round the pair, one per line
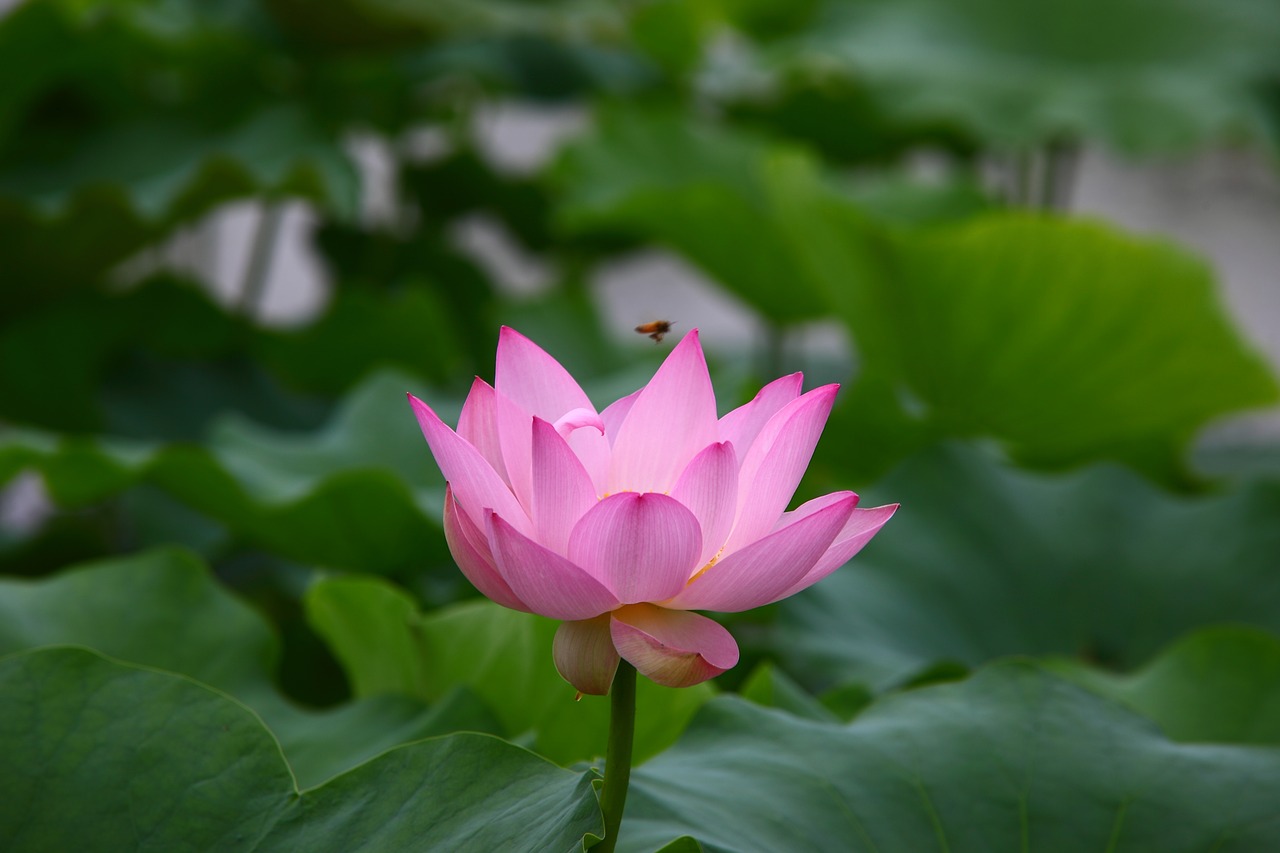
(655, 329)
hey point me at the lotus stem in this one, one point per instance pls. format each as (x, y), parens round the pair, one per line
(617, 768)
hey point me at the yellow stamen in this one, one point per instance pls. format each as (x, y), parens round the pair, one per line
(709, 564)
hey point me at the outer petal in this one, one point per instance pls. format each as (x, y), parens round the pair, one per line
(585, 655)
(515, 437)
(743, 424)
(562, 491)
(673, 418)
(478, 424)
(548, 583)
(764, 570)
(674, 648)
(476, 486)
(534, 380)
(471, 552)
(775, 463)
(643, 546)
(709, 488)
(808, 508)
(857, 532)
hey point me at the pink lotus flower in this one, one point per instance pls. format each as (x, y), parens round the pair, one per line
(623, 522)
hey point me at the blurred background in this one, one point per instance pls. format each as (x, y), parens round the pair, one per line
(1036, 243)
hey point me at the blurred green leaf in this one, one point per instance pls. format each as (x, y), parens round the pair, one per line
(362, 492)
(702, 191)
(162, 609)
(772, 688)
(1219, 685)
(149, 755)
(174, 170)
(842, 119)
(387, 646)
(1009, 759)
(115, 368)
(984, 561)
(1154, 77)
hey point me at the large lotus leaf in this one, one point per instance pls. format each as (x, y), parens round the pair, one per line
(1011, 759)
(387, 646)
(106, 756)
(1220, 684)
(1138, 74)
(361, 492)
(162, 609)
(1068, 340)
(985, 561)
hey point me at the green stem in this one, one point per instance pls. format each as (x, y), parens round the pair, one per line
(617, 767)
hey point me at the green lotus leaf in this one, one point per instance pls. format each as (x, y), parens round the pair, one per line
(1010, 759)
(107, 756)
(163, 610)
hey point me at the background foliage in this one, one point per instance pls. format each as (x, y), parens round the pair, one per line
(238, 623)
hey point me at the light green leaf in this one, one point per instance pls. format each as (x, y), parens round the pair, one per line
(1068, 340)
(1219, 684)
(503, 656)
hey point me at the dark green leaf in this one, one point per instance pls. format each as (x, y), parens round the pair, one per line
(362, 492)
(154, 760)
(1155, 77)
(1012, 759)
(163, 610)
(984, 561)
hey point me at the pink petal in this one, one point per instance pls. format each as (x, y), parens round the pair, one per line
(673, 418)
(576, 419)
(515, 437)
(673, 648)
(548, 583)
(808, 508)
(471, 552)
(478, 424)
(534, 380)
(592, 448)
(616, 412)
(475, 484)
(562, 491)
(857, 532)
(763, 571)
(641, 545)
(743, 424)
(709, 488)
(772, 468)
(585, 655)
